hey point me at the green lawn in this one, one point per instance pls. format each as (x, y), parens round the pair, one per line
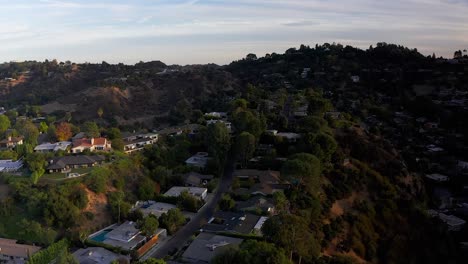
(63, 176)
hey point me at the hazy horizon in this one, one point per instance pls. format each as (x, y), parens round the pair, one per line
(220, 31)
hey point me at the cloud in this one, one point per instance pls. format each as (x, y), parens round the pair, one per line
(140, 27)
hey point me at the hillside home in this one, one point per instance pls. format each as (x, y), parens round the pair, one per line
(154, 208)
(138, 142)
(11, 252)
(65, 163)
(197, 192)
(91, 144)
(290, 137)
(94, 255)
(194, 179)
(216, 114)
(11, 142)
(232, 222)
(228, 125)
(53, 147)
(10, 165)
(264, 182)
(198, 160)
(206, 246)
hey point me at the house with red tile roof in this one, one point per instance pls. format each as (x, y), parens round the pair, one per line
(91, 144)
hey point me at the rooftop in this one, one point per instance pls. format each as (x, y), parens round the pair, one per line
(177, 190)
(9, 247)
(96, 255)
(155, 208)
(206, 246)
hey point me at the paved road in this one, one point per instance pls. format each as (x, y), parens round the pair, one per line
(206, 212)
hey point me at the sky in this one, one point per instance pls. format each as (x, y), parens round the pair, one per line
(220, 31)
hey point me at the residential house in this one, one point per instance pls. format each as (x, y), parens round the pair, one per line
(216, 114)
(13, 253)
(258, 226)
(10, 165)
(195, 179)
(125, 236)
(257, 203)
(290, 137)
(91, 144)
(227, 124)
(437, 177)
(138, 142)
(154, 208)
(453, 223)
(97, 255)
(197, 192)
(198, 160)
(11, 142)
(53, 147)
(264, 182)
(206, 246)
(190, 129)
(231, 222)
(65, 163)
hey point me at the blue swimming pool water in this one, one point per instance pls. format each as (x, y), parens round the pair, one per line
(101, 236)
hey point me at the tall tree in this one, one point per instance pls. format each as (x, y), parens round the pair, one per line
(91, 129)
(149, 225)
(245, 147)
(218, 141)
(63, 131)
(4, 123)
(292, 233)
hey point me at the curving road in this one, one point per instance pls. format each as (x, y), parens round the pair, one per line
(206, 212)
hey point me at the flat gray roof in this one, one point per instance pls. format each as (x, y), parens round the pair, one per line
(206, 246)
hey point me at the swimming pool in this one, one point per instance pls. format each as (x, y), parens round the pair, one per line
(101, 236)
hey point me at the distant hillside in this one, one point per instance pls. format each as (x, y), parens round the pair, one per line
(126, 94)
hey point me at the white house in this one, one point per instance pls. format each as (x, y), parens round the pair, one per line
(194, 191)
(52, 147)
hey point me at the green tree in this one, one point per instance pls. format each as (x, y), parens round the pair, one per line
(248, 121)
(4, 123)
(303, 170)
(292, 233)
(245, 147)
(172, 220)
(218, 141)
(189, 202)
(43, 127)
(253, 252)
(28, 130)
(91, 129)
(226, 203)
(97, 179)
(146, 190)
(280, 200)
(148, 225)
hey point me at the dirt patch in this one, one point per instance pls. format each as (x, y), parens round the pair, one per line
(340, 207)
(97, 204)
